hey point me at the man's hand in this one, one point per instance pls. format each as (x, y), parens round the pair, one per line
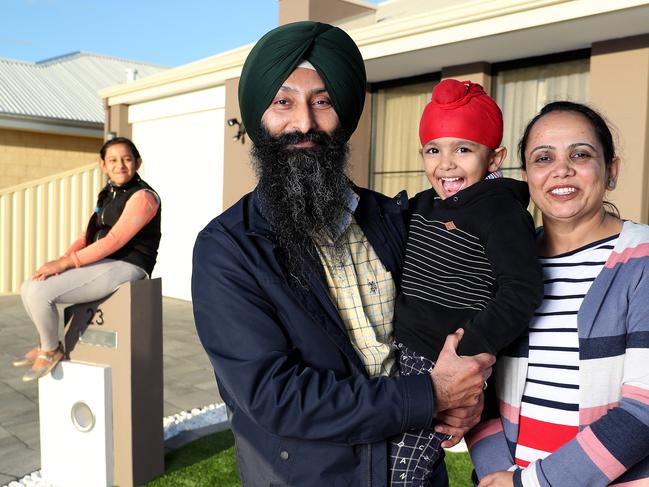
(498, 479)
(456, 422)
(458, 381)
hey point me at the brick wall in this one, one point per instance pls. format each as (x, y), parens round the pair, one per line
(25, 156)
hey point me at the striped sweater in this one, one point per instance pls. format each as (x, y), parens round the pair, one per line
(612, 445)
(549, 415)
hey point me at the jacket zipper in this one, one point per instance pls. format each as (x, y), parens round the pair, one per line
(391, 229)
(101, 213)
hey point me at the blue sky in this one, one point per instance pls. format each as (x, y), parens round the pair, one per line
(166, 32)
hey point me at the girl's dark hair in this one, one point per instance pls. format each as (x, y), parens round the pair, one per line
(119, 140)
(597, 122)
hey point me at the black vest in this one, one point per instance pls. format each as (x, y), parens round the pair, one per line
(142, 249)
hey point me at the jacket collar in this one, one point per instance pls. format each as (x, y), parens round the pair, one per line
(134, 181)
(485, 189)
(257, 223)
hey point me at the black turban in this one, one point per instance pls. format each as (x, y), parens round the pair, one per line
(329, 49)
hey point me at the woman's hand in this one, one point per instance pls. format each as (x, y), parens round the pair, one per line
(53, 267)
(498, 479)
(457, 422)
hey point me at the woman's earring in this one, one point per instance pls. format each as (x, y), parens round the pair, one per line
(611, 184)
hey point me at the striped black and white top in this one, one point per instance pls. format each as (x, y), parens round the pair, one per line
(550, 406)
(446, 266)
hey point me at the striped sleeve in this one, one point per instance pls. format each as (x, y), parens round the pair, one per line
(619, 439)
(488, 448)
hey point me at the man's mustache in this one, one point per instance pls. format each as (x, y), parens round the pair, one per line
(318, 137)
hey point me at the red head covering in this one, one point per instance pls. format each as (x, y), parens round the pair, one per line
(461, 109)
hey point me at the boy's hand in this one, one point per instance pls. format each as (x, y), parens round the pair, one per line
(457, 422)
(458, 381)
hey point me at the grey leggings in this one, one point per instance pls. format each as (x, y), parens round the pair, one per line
(81, 285)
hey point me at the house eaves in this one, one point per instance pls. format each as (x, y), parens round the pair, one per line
(410, 44)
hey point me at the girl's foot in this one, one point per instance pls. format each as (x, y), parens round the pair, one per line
(28, 359)
(45, 361)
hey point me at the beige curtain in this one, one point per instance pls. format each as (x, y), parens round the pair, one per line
(396, 162)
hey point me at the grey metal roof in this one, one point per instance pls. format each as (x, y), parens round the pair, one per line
(64, 87)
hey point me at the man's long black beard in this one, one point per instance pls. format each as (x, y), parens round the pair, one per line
(304, 193)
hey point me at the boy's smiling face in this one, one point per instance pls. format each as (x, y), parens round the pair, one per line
(453, 164)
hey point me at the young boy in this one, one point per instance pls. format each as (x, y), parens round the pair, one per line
(470, 257)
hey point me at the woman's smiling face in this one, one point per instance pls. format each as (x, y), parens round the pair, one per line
(565, 167)
(119, 164)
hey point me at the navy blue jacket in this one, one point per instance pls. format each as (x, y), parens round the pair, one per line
(302, 408)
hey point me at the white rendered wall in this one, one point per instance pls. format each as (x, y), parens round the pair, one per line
(180, 139)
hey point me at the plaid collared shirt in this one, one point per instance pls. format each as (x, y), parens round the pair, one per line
(363, 291)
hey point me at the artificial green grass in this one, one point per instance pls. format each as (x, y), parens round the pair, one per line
(206, 462)
(459, 468)
(209, 462)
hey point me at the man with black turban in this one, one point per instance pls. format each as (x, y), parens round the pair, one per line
(293, 287)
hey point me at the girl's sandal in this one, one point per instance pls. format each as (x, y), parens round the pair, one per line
(28, 359)
(43, 364)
